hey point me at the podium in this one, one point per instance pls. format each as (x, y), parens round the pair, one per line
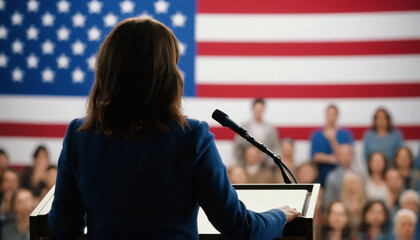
(257, 197)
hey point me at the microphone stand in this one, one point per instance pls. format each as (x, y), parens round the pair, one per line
(277, 159)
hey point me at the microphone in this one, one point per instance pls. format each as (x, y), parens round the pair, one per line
(225, 121)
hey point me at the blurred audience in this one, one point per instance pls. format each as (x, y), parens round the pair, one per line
(49, 180)
(353, 195)
(404, 162)
(375, 221)
(260, 130)
(376, 188)
(32, 176)
(306, 173)
(382, 137)
(22, 205)
(4, 161)
(287, 148)
(9, 183)
(325, 142)
(332, 189)
(395, 183)
(410, 199)
(417, 161)
(404, 224)
(336, 224)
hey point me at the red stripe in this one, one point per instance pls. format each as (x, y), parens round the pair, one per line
(8, 129)
(303, 133)
(304, 6)
(308, 49)
(309, 91)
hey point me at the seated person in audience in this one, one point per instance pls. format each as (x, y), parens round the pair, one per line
(376, 188)
(353, 195)
(22, 205)
(404, 162)
(49, 180)
(332, 189)
(237, 175)
(410, 199)
(9, 183)
(4, 161)
(255, 168)
(261, 131)
(286, 152)
(382, 137)
(287, 148)
(375, 221)
(404, 224)
(307, 173)
(395, 183)
(336, 223)
(325, 142)
(417, 161)
(32, 176)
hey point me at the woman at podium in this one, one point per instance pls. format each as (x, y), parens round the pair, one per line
(135, 167)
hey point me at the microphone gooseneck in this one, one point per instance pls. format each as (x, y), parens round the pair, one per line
(225, 121)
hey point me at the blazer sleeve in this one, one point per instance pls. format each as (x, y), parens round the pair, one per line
(219, 199)
(66, 218)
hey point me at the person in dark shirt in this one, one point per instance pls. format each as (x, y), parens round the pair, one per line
(135, 165)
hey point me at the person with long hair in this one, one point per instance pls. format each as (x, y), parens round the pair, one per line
(382, 136)
(135, 166)
(376, 188)
(353, 195)
(404, 162)
(374, 221)
(336, 224)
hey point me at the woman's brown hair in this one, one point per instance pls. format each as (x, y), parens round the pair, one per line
(137, 83)
(389, 127)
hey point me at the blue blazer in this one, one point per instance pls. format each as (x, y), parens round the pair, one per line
(150, 188)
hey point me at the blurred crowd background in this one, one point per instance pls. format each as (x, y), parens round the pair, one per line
(378, 199)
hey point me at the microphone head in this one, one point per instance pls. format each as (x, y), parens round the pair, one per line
(220, 117)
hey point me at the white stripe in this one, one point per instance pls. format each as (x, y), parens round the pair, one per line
(308, 112)
(307, 27)
(280, 112)
(308, 70)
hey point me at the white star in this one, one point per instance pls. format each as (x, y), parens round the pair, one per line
(91, 61)
(17, 46)
(3, 32)
(145, 14)
(32, 6)
(48, 47)
(182, 48)
(63, 61)
(48, 19)
(63, 34)
(94, 34)
(48, 75)
(94, 6)
(32, 61)
(78, 48)
(110, 20)
(78, 20)
(2, 5)
(127, 6)
(78, 75)
(63, 6)
(161, 6)
(17, 74)
(3, 60)
(17, 18)
(178, 19)
(32, 33)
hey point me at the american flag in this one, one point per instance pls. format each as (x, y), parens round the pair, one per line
(299, 55)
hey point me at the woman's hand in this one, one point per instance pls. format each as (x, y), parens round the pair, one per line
(291, 213)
